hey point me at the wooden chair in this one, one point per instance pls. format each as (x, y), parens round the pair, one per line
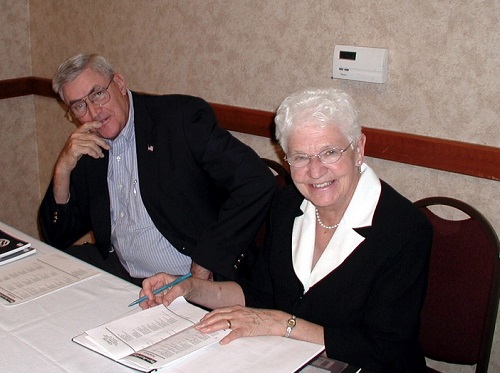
(459, 314)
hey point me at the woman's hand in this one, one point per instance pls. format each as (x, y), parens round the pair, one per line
(166, 297)
(244, 322)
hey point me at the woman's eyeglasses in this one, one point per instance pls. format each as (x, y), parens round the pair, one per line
(328, 156)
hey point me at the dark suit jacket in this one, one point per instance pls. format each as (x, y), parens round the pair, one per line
(369, 306)
(205, 191)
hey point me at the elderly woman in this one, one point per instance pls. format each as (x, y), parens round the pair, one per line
(346, 258)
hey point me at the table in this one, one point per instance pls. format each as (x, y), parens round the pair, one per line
(36, 336)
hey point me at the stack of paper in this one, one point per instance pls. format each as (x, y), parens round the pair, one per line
(12, 248)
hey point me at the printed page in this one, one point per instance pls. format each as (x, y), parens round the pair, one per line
(263, 354)
(190, 351)
(130, 334)
(172, 349)
(155, 335)
(32, 278)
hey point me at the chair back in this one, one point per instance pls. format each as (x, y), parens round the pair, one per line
(459, 313)
(282, 175)
(283, 178)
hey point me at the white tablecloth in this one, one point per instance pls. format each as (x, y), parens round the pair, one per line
(36, 336)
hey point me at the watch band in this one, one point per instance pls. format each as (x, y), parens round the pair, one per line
(292, 321)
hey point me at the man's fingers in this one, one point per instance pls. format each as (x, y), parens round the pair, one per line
(85, 147)
(88, 131)
(86, 143)
(89, 127)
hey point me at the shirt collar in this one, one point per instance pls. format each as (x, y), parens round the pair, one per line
(127, 133)
(359, 213)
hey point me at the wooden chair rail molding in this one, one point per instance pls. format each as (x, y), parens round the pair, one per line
(447, 155)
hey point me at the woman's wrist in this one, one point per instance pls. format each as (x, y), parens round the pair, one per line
(189, 292)
(290, 324)
(280, 323)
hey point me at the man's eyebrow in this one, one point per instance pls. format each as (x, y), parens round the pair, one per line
(94, 88)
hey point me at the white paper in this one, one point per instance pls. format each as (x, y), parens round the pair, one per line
(32, 278)
(151, 338)
(189, 350)
(141, 330)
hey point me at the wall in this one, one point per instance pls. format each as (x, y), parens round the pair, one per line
(253, 53)
(443, 73)
(18, 154)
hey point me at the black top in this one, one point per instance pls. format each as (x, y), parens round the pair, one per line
(205, 191)
(369, 306)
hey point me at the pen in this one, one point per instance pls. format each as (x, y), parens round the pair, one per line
(163, 288)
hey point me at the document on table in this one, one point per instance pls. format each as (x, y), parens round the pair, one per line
(34, 277)
(159, 337)
(152, 338)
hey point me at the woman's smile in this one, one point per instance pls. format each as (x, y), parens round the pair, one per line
(322, 185)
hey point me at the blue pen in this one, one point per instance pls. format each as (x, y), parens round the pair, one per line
(163, 288)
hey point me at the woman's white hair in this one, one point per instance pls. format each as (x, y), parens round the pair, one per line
(322, 107)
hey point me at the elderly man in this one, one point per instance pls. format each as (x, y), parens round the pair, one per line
(162, 187)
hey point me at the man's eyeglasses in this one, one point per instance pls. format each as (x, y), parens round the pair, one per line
(328, 156)
(98, 96)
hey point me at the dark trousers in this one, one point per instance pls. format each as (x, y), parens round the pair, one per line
(90, 254)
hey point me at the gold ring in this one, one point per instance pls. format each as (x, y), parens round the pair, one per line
(228, 324)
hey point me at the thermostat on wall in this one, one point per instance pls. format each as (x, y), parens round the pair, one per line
(360, 63)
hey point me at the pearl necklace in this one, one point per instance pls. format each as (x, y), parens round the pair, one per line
(324, 225)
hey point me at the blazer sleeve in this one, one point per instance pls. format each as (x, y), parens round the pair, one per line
(87, 209)
(249, 185)
(61, 224)
(206, 191)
